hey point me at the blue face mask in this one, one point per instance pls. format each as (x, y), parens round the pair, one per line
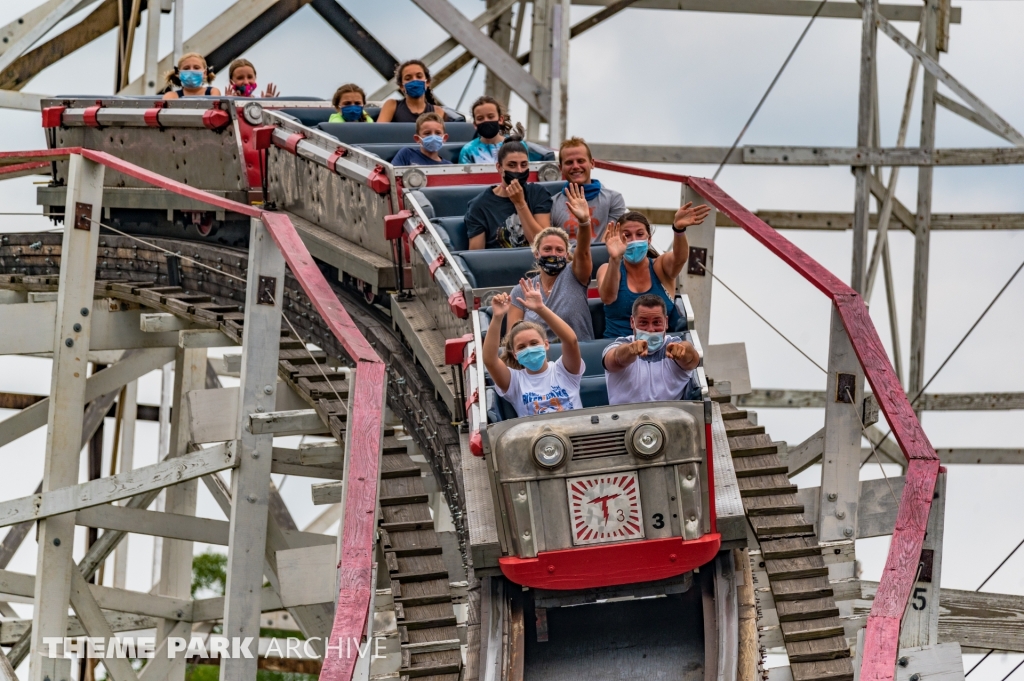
(191, 79)
(654, 340)
(352, 113)
(533, 357)
(415, 88)
(432, 143)
(636, 252)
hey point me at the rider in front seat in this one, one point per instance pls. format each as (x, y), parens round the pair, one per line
(665, 362)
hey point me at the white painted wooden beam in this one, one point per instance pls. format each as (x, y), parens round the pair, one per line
(37, 31)
(121, 486)
(155, 524)
(30, 329)
(430, 58)
(128, 369)
(68, 397)
(95, 623)
(296, 422)
(12, 630)
(932, 66)
(490, 54)
(250, 483)
(213, 413)
(792, 8)
(211, 36)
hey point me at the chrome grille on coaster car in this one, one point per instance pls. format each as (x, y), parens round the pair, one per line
(599, 444)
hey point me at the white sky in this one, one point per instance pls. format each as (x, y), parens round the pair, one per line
(667, 77)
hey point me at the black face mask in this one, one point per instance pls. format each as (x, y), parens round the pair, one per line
(552, 264)
(488, 129)
(508, 176)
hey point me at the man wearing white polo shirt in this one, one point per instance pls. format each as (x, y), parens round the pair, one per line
(649, 365)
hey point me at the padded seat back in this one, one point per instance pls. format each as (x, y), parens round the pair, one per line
(454, 200)
(590, 351)
(495, 266)
(453, 231)
(391, 133)
(387, 152)
(310, 117)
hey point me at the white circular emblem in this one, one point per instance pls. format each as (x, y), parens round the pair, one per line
(605, 508)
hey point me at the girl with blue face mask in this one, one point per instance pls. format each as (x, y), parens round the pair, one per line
(193, 76)
(634, 268)
(525, 377)
(350, 103)
(431, 137)
(413, 80)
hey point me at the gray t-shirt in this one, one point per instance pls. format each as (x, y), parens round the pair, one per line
(568, 300)
(607, 207)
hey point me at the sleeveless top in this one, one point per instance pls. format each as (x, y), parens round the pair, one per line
(616, 315)
(181, 93)
(403, 115)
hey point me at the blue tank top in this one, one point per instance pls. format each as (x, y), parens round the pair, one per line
(616, 315)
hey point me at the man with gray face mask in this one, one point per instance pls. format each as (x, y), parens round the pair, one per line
(649, 365)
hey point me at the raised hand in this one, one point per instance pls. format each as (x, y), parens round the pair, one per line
(515, 193)
(577, 204)
(532, 300)
(500, 304)
(271, 91)
(689, 215)
(637, 348)
(615, 241)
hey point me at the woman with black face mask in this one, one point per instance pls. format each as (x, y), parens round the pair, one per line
(562, 278)
(510, 214)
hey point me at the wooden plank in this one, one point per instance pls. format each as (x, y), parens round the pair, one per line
(119, 486)
(794, 568)
(750, 445)
(762, 464)
(815, 399)
(764, 485)
(740, 427)
(775, 504)
(807, 630)
(796, 8)
(95, 624)
(154, 523)
(787, 524)
(808, 609)
(831, 670)
(792, 547)
(818, 650)
(801, 589)
(307, 575)
(281, 423)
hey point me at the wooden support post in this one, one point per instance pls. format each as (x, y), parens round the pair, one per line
(921, 620)
(865, 116)
(126, 461)
(176, 554)
(250, 482)
(696, 282)
(540, 59)
(500, 31)
(56, 535)
(922, 221)
(840, 469)
(150, 77)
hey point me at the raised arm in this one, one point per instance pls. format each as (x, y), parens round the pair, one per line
(582, 262)
(608, 275)
(532, 224)
(499, 371)
(683, 354)
(624, 355)
(672, 262)
(387, 111)
(532, 300)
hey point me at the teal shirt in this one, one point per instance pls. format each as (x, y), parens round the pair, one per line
(478, 151)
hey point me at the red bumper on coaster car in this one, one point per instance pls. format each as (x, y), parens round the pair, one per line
(611, 564)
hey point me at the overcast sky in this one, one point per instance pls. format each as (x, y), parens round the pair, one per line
(668, 77)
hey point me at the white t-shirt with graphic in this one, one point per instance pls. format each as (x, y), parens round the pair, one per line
(549, 391)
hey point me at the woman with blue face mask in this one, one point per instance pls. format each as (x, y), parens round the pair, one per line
(193, 77)
(431, 138)
(413, 80)
(525, 377)
(634, 268)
